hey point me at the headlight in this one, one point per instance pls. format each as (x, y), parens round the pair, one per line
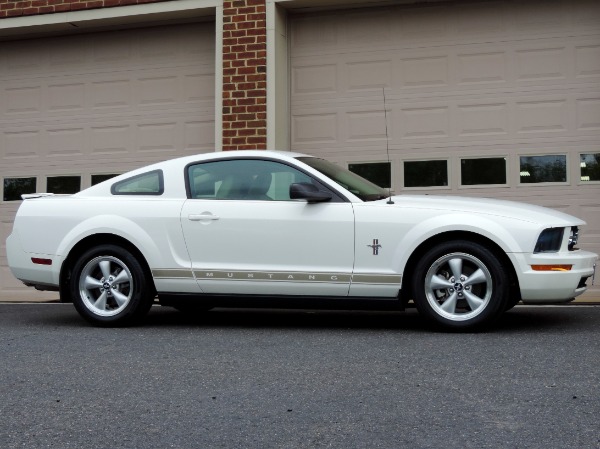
(573, 237)
(549, 240)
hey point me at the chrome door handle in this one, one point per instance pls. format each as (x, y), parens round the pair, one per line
(202, 217)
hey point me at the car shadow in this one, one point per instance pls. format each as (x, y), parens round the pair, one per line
(287, 319)
(519, 319)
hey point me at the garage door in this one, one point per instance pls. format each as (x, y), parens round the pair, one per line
(75, 109)
(496, 98)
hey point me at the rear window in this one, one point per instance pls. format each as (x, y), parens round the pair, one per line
(150, 183)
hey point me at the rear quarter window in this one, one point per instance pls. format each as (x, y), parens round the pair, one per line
(150, 183)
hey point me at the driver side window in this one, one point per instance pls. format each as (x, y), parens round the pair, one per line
(246, 179)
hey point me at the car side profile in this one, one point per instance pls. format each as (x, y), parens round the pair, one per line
(290, 230)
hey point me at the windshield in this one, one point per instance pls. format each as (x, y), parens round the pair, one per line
(365, 190)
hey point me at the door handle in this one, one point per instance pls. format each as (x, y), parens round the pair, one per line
(203, 216)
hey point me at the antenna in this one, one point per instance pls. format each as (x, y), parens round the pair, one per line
(387, 147)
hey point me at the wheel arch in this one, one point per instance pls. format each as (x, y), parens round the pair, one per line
(450, 236)
(89, 242)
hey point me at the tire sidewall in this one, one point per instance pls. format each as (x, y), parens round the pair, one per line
(494, 307)
(141, 298)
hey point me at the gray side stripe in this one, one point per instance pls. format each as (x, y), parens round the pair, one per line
(376, 278)
(278, 276)
(292, 276)
(172, 274)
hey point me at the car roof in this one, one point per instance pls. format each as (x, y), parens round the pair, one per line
(241, 154)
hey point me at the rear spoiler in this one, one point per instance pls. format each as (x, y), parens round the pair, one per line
(28, 196)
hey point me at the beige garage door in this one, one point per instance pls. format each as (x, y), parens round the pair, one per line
(496, 98)
(75, 108)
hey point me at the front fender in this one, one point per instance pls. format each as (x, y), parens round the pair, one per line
(496, 231)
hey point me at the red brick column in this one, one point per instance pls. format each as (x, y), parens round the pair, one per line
(244, 75)
(16, 8)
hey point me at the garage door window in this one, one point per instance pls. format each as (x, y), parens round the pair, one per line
(15, 187)
(378, 173)
(64, 184)
(97, 179)
(426, 173)
(483, 171)
(590, 167)
(548, 168)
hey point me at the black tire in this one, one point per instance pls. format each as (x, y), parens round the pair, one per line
(460, 285)
(512, 302)
(110, 287)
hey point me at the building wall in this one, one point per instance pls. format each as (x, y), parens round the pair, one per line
(257, 68)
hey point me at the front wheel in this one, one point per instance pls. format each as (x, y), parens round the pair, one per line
(109, 287)
(460, 285)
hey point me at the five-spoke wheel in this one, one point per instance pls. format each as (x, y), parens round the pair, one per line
(460, 285)
(109, 286)
(106, 285)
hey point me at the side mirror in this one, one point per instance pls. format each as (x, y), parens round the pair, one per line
(308, 192)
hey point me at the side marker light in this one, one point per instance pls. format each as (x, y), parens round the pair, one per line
(39, 261)
(551, 267)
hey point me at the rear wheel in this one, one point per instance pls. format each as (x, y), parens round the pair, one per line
(109, 287)
(460, 285)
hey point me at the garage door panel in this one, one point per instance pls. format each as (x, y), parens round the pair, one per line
(422, 71)
(587, 62)
(365, 125)
(198, 86)
(113, 139)
(65, 141)
(199, 135)
(21, 99)
(482, 119)
(542, 64)
(588, 114)
(20, 144)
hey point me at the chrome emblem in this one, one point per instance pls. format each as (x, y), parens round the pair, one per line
(375, 247)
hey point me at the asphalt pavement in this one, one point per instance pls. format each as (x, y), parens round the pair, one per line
(298, 379)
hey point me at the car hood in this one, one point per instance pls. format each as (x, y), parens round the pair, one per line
(486, 206)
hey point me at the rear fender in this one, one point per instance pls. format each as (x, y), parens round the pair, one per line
(119, 226)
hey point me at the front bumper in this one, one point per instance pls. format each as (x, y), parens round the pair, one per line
(554, 286)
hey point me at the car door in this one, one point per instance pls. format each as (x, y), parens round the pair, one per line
(246, 236)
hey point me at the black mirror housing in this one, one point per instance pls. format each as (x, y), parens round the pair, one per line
(308, 192)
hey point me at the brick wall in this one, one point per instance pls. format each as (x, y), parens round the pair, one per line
(244, 75)
(11, 8)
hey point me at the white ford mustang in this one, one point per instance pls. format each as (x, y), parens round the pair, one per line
(288, 230)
